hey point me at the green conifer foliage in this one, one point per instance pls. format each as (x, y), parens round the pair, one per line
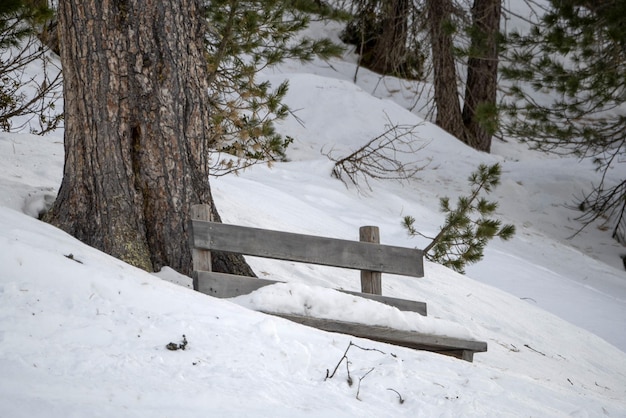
(469, 226)
(244, 37)
(568, 90)
(20, 20)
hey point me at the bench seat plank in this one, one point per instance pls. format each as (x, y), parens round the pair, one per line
(308, 249)
(224, 285)
(459, 348)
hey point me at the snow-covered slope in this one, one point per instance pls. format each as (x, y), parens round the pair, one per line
(86, 336)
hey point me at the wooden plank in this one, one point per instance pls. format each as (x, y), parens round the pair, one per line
(224, 285)
(402, 304)
(308, 249)
(456, 347)
(201, 258)
(371, 281)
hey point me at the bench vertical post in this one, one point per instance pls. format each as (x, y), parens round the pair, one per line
(371, 281)
(201, 258)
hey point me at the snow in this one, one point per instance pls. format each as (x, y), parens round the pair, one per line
(84, 334)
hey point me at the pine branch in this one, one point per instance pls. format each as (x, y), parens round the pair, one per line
(462, 239)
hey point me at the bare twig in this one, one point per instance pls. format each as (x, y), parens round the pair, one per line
(350, 381)
(605, 202)
(367, 349)
(358, 389)
(29, 100)
(400, 399)
(345, 357)
(381, 157)
(536, 351)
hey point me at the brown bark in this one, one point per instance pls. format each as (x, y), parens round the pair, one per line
(388, 54)
(482, 73)
(136, 127)
(446, 95)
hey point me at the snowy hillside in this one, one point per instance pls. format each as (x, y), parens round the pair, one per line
(83, 334)
(86, 337)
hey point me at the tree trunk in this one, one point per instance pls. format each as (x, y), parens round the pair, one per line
(389, 52)
(479, 114)
(137, 128)
(447, 102)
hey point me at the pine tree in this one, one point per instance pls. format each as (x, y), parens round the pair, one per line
(143, 94)
(385, 36)
(434, 39)
(569, 86)
(469, 226)
(244, 37)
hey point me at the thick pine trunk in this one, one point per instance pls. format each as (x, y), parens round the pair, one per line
(136, 127)
(447, 101)
(482, 75)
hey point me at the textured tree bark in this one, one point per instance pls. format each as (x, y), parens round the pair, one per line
(389, 52)
(482, 74)
(447, 101)
(137, 128)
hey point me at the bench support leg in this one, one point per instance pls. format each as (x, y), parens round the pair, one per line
(371, 281)
(201, 258)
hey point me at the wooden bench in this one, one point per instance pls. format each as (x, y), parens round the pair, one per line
(366, 255)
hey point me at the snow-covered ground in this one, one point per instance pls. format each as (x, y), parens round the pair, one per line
(83, 334)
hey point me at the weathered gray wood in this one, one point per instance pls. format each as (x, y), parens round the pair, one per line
(459, 348)
(308, 249)
(223, 285)
(467, 355)
(371, 281)
(201, 257)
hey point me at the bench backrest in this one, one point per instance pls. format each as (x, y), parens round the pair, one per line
(307, 248)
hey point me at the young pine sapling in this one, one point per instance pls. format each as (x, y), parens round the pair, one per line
(469, 226)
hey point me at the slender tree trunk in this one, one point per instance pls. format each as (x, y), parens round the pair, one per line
(479, 114)
(447, 101)
(389, 52)
(136, 127)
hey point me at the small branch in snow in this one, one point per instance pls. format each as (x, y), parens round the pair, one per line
(603, 387)
(513, 349)
(530, 348)
(367, 349)
(358, 389)
(71, 257)
(350, 381)
(345, 357)
(399, 396)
